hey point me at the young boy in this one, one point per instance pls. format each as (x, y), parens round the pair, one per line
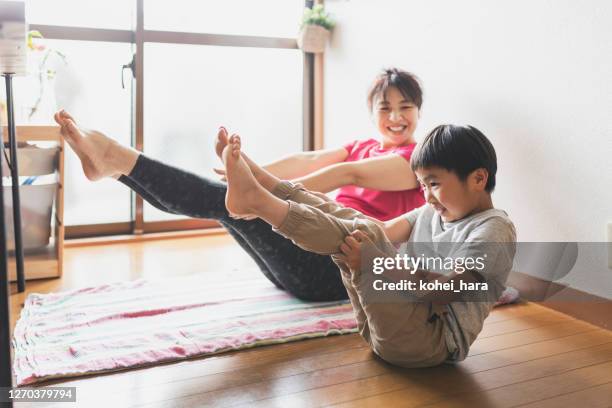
(456, 168)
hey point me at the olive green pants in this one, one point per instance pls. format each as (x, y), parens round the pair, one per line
(401, 333)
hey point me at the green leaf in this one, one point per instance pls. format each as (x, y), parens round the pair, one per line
(317, 16)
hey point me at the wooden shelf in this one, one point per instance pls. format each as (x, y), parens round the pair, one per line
(45, 262)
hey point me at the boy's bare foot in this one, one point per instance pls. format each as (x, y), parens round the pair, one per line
(100, 155)
(243, 191)
(221, 141)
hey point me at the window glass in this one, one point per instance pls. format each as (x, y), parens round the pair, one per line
(191, 90)
(271, 18)
(86, 82)
(115, 14)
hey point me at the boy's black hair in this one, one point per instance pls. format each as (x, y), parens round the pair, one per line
(407, 83)
(460, 149)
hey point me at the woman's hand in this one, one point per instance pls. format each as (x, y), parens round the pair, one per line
(247, 217)
(220, 172)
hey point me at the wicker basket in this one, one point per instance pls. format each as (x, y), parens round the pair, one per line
(313, 38)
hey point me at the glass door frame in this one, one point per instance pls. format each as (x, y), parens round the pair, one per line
(138, 37)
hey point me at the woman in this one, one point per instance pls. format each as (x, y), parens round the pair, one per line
(374, 177)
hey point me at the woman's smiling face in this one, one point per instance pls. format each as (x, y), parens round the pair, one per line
(396, 118)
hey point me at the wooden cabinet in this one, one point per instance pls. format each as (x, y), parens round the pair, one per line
(42, 260)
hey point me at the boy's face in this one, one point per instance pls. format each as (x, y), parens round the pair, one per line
(451, 197)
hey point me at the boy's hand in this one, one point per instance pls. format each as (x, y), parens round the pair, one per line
(351, 249)
(320, 195)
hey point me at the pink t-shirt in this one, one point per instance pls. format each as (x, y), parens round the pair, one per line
(382, 205)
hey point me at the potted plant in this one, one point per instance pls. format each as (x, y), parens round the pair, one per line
(41, 61)
(315, 29)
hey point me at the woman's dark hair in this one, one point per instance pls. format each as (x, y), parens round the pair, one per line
(406, 82)
(460, 149)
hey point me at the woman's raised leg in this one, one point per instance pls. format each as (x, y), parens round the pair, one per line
(304, 274)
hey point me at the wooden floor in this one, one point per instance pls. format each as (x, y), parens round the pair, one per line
(527, 355)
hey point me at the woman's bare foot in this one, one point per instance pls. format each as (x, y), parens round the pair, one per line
(221, 141)
(243, 191)
(100, 155)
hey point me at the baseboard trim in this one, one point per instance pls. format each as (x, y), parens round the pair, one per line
(573, 302)
(153, 236)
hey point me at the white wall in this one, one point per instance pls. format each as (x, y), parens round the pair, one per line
(535, 76)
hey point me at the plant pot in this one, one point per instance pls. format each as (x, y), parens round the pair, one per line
(313, 38)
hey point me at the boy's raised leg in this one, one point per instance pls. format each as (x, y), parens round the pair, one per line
(266, 179)
(245, 196)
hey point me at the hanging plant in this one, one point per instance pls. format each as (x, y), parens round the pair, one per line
(44, 72)
(315, 29)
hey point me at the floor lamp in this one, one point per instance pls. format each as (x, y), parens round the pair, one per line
(12, 62)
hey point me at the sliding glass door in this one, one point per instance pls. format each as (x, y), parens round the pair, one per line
(197, 65)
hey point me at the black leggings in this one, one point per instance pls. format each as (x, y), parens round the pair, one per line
(304, 274)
